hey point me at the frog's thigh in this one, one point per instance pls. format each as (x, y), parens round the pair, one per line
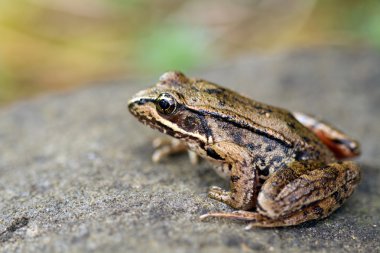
(306, 190)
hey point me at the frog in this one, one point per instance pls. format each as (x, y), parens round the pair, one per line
(284, 168)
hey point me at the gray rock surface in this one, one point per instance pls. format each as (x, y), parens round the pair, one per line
(76, 174)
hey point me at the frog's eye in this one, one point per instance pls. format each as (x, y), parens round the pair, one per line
(166, 104)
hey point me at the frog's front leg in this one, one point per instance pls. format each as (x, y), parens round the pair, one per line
(300, 192)
(165, 147)
(243, 176)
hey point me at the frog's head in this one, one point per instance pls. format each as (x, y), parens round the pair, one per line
(165, 107)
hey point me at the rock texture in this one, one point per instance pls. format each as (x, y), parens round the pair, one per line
(76, 174)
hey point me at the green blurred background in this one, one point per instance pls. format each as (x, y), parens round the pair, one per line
(60, 44)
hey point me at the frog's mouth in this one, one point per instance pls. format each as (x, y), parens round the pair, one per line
(144, 110)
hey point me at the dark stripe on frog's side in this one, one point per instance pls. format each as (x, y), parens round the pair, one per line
(258, 131)
(208, 131)
(263, 132)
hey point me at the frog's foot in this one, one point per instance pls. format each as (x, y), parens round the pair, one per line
(226, 197)
(258, 220)
(239, 215)
(219, 194)
(339, 143)
(165, 147)
(255, 218)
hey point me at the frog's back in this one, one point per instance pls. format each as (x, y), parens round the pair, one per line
(273, 122)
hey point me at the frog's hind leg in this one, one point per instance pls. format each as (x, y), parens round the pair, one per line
(305, 191)
(315, 211)
(300, 192)
(338, 142)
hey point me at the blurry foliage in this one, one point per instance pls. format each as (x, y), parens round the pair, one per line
(172, 48)
(365, 21)
(55, 44)
(349, 21)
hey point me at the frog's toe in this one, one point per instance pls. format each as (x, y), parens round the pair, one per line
(194, 158)
(160, 154)
(239, 215)
(218, 193)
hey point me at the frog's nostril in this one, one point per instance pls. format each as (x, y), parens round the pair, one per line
(135, 102)
(131, 103)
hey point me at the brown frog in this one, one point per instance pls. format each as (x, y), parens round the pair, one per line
(282, 166)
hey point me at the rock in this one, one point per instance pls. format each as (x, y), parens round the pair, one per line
(76, 174)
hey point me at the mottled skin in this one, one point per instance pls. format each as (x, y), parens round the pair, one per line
(281, 172)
